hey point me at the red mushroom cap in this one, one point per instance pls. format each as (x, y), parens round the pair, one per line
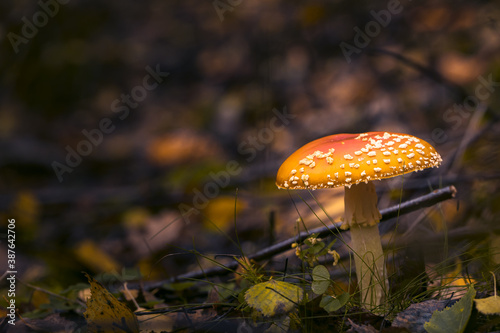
(348, 159)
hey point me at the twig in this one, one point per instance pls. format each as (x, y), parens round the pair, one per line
(427, 71)
(405, 208)
(183, 309)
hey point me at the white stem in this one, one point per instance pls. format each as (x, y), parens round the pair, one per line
(362, 216)
(370, 264)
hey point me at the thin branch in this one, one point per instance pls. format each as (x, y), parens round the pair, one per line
(188, 309)
(427, 71)
(283, 246)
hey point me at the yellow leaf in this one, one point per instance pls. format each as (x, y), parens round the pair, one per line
(454, 281)
(443, 218)
(26, 209)
(221, 211)
(92, 256)
(489, 305)
(38, 298)
(136, 217)
(273, 297)
(106, 314)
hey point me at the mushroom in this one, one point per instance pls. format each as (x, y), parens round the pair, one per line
(354, 161)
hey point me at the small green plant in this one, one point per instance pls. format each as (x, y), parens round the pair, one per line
(314, 248)
(322, 285)
(310, 252)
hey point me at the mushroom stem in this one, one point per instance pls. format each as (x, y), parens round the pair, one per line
(370, 264)
(362, 217)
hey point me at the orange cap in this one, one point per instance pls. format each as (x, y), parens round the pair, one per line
(348, 159)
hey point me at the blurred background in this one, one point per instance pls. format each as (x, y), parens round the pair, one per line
(131, 131)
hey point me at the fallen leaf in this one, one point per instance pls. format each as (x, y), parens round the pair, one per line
(38, 298)
(106, 314)
(92, 256)
(273, 297)
(136, 217)
(221, 212)
(26, 210)
(454, 281)
(454, 318)
(416, 315)
(489, 305)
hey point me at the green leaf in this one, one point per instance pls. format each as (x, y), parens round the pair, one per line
(331, 304)
(331, 244)
(317, 248)
(273, 297)
(454, 318)
(321, 279)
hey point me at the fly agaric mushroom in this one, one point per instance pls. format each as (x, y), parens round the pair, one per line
(353, 161)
